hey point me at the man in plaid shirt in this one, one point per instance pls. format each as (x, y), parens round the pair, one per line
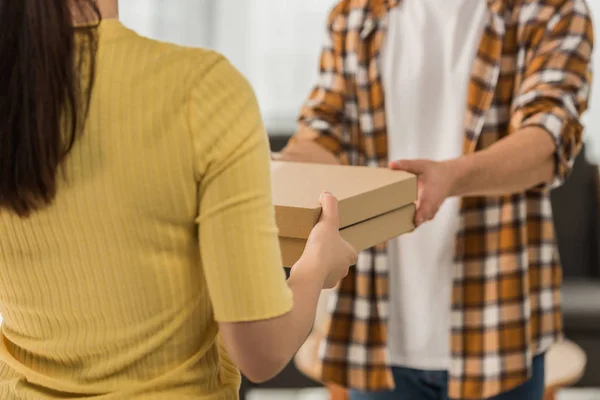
(482, 100)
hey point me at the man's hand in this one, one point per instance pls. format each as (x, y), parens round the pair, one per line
(436, 181)
(305, 151)
(514, 164)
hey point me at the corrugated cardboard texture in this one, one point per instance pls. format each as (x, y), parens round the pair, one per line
(361, 236)
(363, 193)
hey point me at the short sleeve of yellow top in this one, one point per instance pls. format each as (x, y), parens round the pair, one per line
(162, 226)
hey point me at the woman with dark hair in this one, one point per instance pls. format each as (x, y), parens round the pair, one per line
(138, 248)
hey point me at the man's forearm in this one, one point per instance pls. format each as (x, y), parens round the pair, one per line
(306, 151)
(516, 163)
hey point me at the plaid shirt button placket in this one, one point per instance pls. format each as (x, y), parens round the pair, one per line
(533, 69)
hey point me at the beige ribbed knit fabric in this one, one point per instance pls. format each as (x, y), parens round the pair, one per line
(163, 225)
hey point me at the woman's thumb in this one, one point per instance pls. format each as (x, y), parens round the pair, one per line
(329, 205)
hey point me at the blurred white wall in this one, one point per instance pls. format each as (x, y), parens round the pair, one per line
(185, 22)
(275, 43)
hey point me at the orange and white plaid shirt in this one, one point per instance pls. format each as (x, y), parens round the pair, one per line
(532, 69)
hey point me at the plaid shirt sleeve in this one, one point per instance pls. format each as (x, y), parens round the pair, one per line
(321, 118)
(556, 83)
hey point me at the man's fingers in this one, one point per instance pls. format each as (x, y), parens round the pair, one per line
(329, 205)
(424, 213)
(416, 167)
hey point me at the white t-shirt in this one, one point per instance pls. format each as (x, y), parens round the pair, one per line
(427, 59)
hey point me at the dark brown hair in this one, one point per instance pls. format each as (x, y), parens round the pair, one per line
(47, 72)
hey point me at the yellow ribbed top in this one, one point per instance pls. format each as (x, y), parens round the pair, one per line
(162, 225)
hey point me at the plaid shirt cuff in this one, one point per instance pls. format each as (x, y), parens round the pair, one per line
(566, 132)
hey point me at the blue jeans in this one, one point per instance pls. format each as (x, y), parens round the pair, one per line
(412, 384)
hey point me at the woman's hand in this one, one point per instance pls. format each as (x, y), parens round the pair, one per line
(326, 252)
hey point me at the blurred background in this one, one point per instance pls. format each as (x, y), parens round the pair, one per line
(276, 44)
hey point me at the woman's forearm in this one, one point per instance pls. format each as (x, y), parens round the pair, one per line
(306, 291)
(261, 349)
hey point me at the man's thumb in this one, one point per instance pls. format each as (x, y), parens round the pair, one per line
(416, 167)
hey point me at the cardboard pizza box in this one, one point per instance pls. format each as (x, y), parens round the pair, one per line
(375, 204)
